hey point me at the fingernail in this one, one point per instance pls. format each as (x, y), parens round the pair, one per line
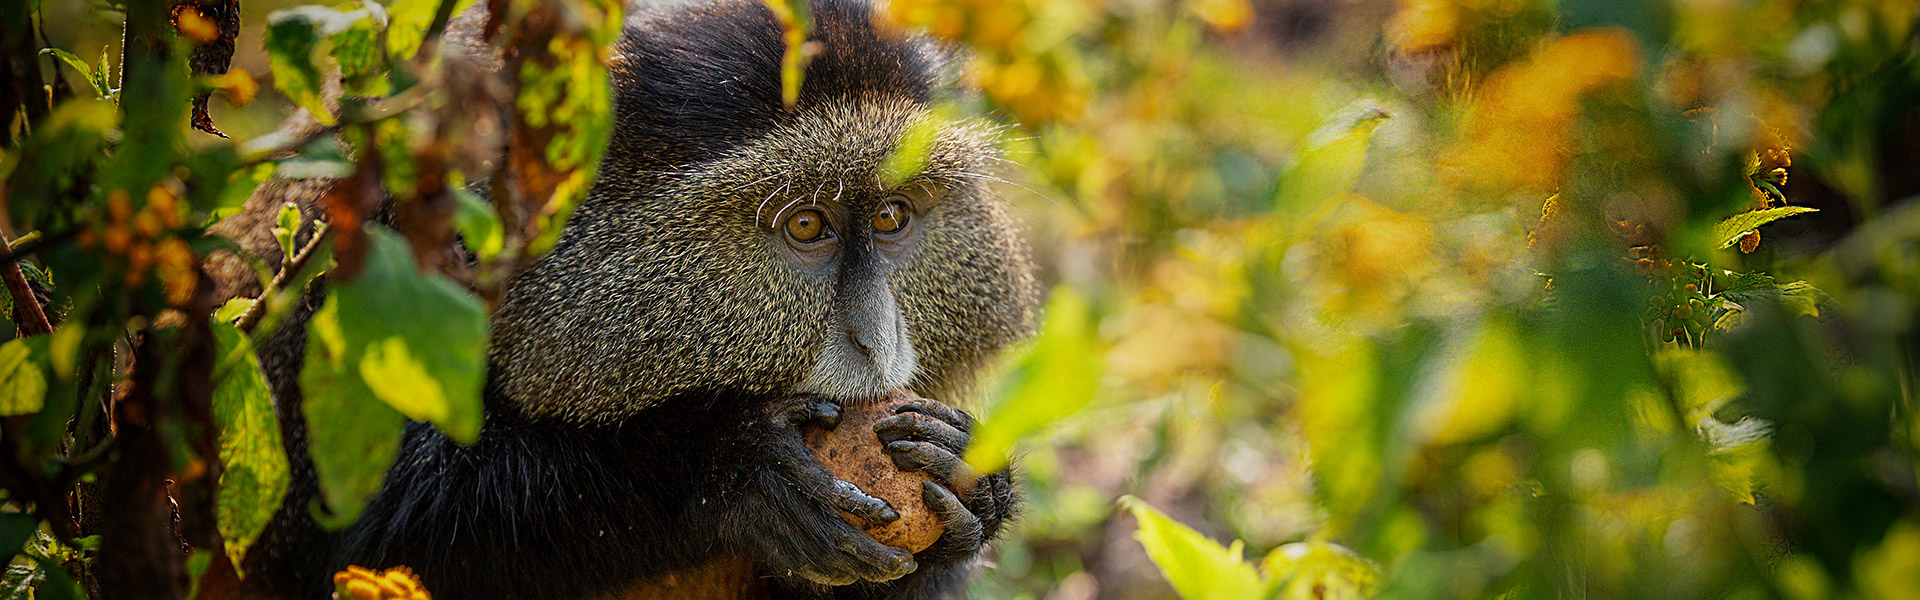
(900, 446)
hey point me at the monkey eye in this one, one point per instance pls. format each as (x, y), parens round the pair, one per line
(809, 225)
(891, 217)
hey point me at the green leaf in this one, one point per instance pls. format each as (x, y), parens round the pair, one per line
(430, 369)
(232, 310)
(1197, 567)
(1803, 298)
(1320, 571)
(1332, 158)
(306, 44)
(375, 349)
(286, 227)
(411, 18)
(255, 472)
(1054, 378)
(796, 19)
(351, 435)
(79, 65)
(103, 73)
(295, 56)
(362, 59)
(478, 225)
(324, 158)
(1703, 381)
(23, 384)
(1748, 289)
(1731, 230)
(909, 155)
(58, 585)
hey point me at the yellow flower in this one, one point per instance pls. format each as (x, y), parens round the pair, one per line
(361, 583)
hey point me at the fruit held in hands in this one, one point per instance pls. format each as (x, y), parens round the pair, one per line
(853, 453)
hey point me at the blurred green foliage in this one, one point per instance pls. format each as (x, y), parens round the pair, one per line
(1476, 290)
(1409, 298)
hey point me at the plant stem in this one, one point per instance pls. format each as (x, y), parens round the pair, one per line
(250, 319)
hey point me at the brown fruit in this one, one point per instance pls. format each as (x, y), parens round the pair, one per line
(853, 453)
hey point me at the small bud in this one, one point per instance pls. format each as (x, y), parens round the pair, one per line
(289, 226)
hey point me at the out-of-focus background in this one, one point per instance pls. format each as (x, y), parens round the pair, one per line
(1440, 298)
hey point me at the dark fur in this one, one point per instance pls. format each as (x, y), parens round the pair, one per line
(643, 371)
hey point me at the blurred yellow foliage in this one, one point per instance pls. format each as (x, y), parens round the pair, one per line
(1517, 128)
(1483, 389)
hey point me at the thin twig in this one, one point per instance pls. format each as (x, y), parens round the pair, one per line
(250, 319)
(268, 147)
(28, 316)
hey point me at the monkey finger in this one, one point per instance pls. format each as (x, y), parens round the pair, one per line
(921, 428)
(876, 562)
(822, 578)
(963, 528)
(813, 411)
(848, 498)
(938, 410)
(936, 462)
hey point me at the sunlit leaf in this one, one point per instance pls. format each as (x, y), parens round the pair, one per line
(358, 52)
(1481, 392)
(309, 43)
(796, 19)
(411, 18)
(80, 66)
(296, 57)
(1197, 567)
(23, 384)
(373, 355)
(1331, 160)
(1337, 400)
(1055, 377)
(909, 155)
(1729, 232)
(351, 435)
(1702, 380)
(430, 369)
(255, 472)
(1885, 572)
(232, 309)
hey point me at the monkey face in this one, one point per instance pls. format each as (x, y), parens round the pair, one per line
(766, 257)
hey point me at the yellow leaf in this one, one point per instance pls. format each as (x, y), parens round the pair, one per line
(1197, 567)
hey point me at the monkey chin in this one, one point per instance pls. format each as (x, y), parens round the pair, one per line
(853, 453)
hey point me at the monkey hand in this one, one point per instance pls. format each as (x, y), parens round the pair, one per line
(793, 515)
(928, 436)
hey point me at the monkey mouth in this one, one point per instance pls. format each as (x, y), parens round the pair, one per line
(849, 368)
